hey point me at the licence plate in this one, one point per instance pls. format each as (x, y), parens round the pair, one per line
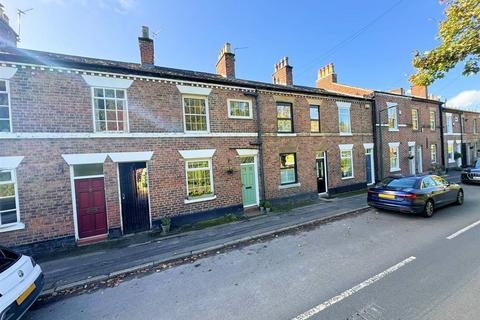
(27, 292)
(386, 196)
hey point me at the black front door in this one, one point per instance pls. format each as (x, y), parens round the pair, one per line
(321, 179)
(134, 195)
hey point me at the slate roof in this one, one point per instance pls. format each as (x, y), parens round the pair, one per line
(50, 59)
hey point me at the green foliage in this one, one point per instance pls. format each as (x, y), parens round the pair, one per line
(165, 221)
(457, 155)
(267, 204)
(459, 35)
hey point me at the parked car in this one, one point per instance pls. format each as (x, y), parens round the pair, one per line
(413, 194)
(21, 281)
(471, 175)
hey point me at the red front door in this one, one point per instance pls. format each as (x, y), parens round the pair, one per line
(91, 211)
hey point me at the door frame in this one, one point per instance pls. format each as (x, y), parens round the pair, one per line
(419, 158)
(323, 155)
(369, 146)
(412, 144)
(120, 192)
(255, 171)
(74, 201)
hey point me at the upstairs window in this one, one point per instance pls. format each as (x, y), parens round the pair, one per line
(284, 117)
(196, 114)
(9, 213)
(239, 109)
(314, 119)
(110, 107)
(433, 121)
(392, 118)
(449, 122)
(5, 117)
(288, 168)
(414, 119)
(344, 125)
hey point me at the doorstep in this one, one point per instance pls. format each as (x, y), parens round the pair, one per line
(91, 240)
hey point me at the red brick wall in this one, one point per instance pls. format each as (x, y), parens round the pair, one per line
(424, 136)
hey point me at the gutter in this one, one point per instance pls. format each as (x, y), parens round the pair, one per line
(259, 142)
(442, 138)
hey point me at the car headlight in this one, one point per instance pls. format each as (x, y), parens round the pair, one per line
(34, 263)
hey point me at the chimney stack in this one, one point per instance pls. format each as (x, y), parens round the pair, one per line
(146, 48)
(326, 74)
(419, 91)
(283, 73)
(8, 37)
(226, 62)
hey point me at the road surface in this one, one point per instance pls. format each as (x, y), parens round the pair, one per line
(375, 265)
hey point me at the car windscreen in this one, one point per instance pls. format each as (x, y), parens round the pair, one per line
(7, 258)
(400, 183)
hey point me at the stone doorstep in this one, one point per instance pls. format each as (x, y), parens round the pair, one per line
(100, 278)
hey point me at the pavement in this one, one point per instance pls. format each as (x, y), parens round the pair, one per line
(371, 266)
(85, 266)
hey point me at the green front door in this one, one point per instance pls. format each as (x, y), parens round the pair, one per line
(249, 188)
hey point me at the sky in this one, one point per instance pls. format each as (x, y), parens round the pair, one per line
(370, 42)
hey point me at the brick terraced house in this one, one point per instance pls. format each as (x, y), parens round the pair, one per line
(93, 149)
(407, 131)
(462, 138)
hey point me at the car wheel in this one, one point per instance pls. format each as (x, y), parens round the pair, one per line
(429, 209)
(460, 197)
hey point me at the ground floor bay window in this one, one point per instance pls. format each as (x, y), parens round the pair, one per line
(346, 160)
(9, 204)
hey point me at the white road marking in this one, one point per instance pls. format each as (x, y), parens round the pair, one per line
(310, 313)
(459, 232)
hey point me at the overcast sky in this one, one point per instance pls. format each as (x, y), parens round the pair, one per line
(370, 42)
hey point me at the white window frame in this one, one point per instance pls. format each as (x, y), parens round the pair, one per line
(392, 110)
(126, 124)
(451, 155)
(207, 113)
(394, 145)
(434, 127)
(345, 106)
(7, 91)
(210, 167)
(250, 109)
(416, 119)
(8, 226)
(433, 153)
(449, 121)
(347, 148)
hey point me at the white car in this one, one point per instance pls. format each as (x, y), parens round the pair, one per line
(21, 281)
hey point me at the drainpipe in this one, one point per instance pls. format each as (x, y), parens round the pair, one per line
(259, 142)
(442, 138)
(374, 139)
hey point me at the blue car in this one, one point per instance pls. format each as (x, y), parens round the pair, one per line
(472, 175)
(422, 194)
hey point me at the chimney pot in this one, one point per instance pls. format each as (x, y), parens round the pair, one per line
(226, 62)
(283, 73)
(146, 47)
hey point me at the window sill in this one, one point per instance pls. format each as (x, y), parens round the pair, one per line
(451, 161)
(288, 186)
(197, 132)
(348, 178)
(346, 134)
(12, 227)
(187, 201)
(395, 170)
(394, 130)
(240, 118)
(286, 134)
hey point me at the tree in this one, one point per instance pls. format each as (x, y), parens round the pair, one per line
(459, 35)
